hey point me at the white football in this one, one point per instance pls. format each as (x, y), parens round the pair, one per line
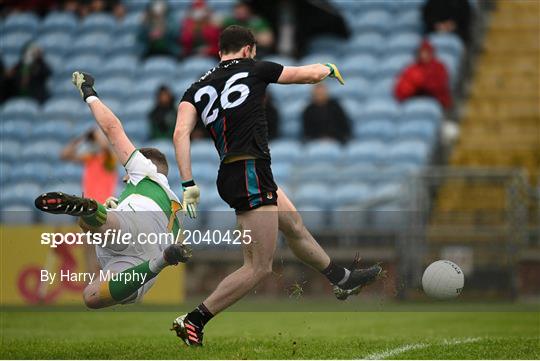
(443, 279)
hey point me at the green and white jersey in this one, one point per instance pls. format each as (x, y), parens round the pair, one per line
(148, 190)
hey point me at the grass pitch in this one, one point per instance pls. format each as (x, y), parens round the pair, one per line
(399, 333)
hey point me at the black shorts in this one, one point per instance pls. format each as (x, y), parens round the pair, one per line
(247, 184)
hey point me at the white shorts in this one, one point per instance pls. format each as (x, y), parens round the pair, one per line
(138, 216)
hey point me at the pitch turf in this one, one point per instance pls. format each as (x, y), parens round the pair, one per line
(423, 332)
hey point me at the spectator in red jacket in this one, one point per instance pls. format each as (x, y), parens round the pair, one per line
(199, 35)
(427, 76)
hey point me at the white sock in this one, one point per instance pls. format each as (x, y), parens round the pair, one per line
(157, 264)
(345, 278)
(91, 99)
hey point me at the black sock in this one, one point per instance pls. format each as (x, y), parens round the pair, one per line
(334, 273)
(200, 316)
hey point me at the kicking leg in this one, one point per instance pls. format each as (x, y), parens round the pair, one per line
(258, 256)
(346, 282)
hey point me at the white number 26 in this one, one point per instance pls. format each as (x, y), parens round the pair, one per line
(229, 89)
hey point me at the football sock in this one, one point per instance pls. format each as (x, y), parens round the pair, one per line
(123, 287)
(200, 316)
(336, 274)
(98, 218)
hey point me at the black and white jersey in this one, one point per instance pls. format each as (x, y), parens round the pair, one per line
(229, 101)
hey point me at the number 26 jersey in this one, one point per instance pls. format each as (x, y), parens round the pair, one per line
(230, 102)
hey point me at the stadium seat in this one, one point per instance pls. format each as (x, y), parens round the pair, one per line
(65, 22)
(161, 67)
(20, 108)
(387, 191)
(90, 64)
(370, 43)
(11, 149)
(408, 151)
(447, 43)
(13, 42)
(353, 109)
(137, 130)
(31, 171)
(281, 93)
(210, 198)
(380, 109)
(15, 129)
(321, 58)
(321, 171)
(204, 172)
(324, 44)
(21, 192)
(383, 130)
(312, 194)
(55, 42)
(365, 151)
(64, 108)
(452, 63)
(358, 65)
(291, 117)
(353, 193)
(59, 130)
(203, 151)
(101, 22)
(400, 43)
(147, 87)
(130, 23)
(421, 108)
(165, 146)
(285, 151)
(322, 151)
(393, 65)
(121, 65)
(45, 150)
(382, 87)
(424, 130)
(118, 86)
(196, 65)
(283, 60)
(407, 21)
(26, 21)
(376, 20)
(5, 171)
(68, 172)
(281, 171)
(355, 88)
(365, 172)
(91, 43)
(125, 44)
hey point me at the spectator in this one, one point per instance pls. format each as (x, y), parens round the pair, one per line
(324, 117)
(157, 33)
(199, 35)
(163, 115)
(427, 76)
(28, 78)
(448, 16)
(272, 117)
(243, 15)
(99, 175)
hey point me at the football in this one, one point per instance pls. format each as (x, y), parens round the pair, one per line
(443, 280)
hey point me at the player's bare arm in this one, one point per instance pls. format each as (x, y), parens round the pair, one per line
(309, 74)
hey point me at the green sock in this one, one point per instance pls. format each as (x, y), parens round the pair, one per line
(124, 287)
(97, 219)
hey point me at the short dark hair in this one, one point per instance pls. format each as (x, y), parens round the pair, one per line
(158, 158)
(235, 37)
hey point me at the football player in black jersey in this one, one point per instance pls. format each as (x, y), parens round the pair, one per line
(228, 99)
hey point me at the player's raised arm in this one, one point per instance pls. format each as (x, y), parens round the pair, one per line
(309, 74)
(107, 121)
(186, 120)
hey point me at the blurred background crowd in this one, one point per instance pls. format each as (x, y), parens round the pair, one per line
(437, 127)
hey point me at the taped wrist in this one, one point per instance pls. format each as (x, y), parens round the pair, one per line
(188, 183)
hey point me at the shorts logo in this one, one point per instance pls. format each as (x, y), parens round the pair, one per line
(269, 195)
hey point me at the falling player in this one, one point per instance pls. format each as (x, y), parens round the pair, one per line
(146, 205)
(229, 101)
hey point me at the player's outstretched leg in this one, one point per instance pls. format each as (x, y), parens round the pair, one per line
(346, 281)
(123, 289)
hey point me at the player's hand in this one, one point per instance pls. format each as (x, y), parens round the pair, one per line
(190, 198)
(334, 73)
(111, 202)
(85, 83)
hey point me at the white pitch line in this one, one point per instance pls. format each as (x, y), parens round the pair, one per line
(415, 346)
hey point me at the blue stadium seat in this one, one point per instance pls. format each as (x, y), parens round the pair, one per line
(370, 43)
(357, 171)
(452, 63)
(64, 108)
(325, 43)
(282, 93)
(165, 146)
(118, 86)
(205, 172)
(180, 85)
(283, 60)
(147, 87)
(222, 6)
(121, 65)
(125, 44)
(424, 130)
(69, 172)
(11, 149)
(390, 191)
(322, 151)
(352, 193)
(359, 65)
(421, 108)
(196, 65)
(13, 42)
(393, 65)
(320, 171)
(291, 116)
(5, 171)
(130, 24)
(318, 58)
(139, 131)
(73, 188)
(210, 198)
(26, 21)
(365, 151)
(15, 129)
(447, 43)
(285, 151)
(55, 42)
(381, 109)
(136, 6)
(375, 20)
(92, 43)
(383, 87)
(383, 130)
(45, 150)
(59, 21)
(406, 21)
(20, 108)
(86, 62)
(353, 109)
(163, 67)
(282, 171)
(404, 6)
(312, 193)
(402, 43)
(20, 192)
(203, 150)
(355, 88)
(60, 130)
(17, 214)
(98, 22)
(408, 151)
(32, 171)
